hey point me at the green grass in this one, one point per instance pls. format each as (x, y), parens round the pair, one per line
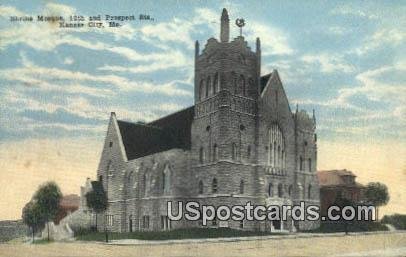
(192, 233)
(334, 227)
(42, 241)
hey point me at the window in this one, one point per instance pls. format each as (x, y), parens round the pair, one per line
(241, 83)
(234, 76)
(241, 223)
(201, 155)
(310, 164)
(290, 190)
(309, 192)
(200, 187)
(214, 186)
(110, 144)
(215, 84)
(215, 152)
(301, 163)
(110, 169)
(279, 157)
(166, 177)
(280, 190)
(145, 222)
(201, 89)
(214, 223)
(270, 190)
(242, 187)
(144, 185)
(110, 220)
(249, 152)
(208, 82)
(101, 178)
(234, 151)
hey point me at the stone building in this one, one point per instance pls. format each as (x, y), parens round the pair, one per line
(336, 184)
(239, 142)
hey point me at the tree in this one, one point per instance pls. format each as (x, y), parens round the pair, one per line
(96, 199)
(32, 217)
(377, 194)
(47, 198)
(343, 202)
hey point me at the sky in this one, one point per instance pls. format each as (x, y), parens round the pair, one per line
(345, 59)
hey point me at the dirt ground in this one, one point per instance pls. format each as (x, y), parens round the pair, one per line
(345, 246)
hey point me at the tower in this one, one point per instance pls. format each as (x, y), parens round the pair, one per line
(224, 125)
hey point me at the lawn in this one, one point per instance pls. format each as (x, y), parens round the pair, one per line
(167, 235)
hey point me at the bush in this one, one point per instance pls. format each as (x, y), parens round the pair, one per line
(397, 220)
(192, 233)
(357, 226)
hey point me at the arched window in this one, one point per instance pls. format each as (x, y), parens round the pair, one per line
(234, 151)
(242, 186)
(310, 164)
(234, 79)
(250, 85)
(166, 177)
(216, 84)
(270, 154)
(301, 163)
(215, 152)
(144, 185)
(249, 152)
(283, 159)
(279, 156)
(241, 84)
(214, 186)
(280, 190)
(274, 153)
(309, 192)
(200, 187)
(201, 89)
(208, 88)
(110, 169)
(290, 190)
(201, 155)
(270, 190)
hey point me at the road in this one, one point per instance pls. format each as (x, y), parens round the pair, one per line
(385, 244)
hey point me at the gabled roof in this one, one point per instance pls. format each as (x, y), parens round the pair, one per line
(172, 131)
(264, 81)
(334, 177)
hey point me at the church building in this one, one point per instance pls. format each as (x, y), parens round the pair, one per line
(240, 142)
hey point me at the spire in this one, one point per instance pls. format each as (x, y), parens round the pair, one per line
(196, 49)
(224, 27)
(314, 117)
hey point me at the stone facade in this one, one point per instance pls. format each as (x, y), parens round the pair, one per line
(240, 142)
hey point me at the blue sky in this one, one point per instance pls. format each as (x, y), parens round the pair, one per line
(344, 59)
(58, 86)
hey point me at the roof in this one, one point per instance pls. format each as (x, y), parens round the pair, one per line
(70, 201)
(264, 81)
(334, 177)
(172, 131)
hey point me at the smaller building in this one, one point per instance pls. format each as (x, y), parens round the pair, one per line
(336, 184)
(67, 205)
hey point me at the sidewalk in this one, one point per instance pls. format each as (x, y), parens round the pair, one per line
(241, 239)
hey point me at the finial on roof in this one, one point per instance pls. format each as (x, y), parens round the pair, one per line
(297, 108)
(224, 27)
(314, 116)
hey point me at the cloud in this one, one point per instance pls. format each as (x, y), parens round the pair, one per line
(328, 62)
(382, 37)
(273, 40)
(353, 11)
(45, 78)
(68, 61)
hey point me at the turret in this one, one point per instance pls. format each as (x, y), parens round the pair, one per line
(224, 27)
